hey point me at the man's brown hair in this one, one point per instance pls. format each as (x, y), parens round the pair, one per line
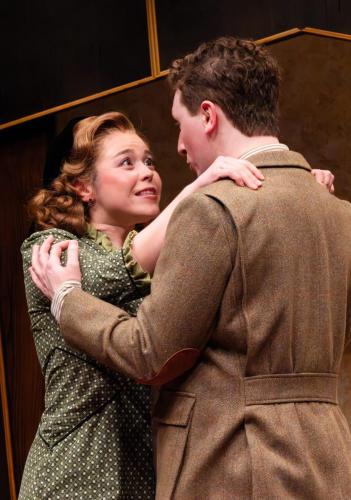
(238, 75)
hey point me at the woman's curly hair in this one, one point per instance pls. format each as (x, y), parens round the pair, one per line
(59, 205)
(238, 75)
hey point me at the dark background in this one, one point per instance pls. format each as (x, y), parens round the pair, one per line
(54, 53)
(184, 24)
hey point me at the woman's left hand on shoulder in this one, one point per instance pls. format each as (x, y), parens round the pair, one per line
(325, 178)
(242, 172)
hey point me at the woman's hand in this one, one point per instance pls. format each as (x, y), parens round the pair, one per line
(242, 172)
(47, 272)
(325, 178)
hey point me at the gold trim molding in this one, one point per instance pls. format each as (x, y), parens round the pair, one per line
(279, 36)
(6, 426)
(329, 34)
(156, 71)
(153, 38)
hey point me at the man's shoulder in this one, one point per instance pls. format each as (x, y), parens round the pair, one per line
(224, 191)
(197, 207)
(343, 205)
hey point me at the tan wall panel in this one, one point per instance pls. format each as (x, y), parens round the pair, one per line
(315, 102)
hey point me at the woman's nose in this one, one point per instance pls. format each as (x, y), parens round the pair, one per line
(146, 172)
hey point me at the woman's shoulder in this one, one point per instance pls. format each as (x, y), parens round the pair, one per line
(38, 237)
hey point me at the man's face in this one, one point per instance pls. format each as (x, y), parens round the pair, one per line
(193, 141)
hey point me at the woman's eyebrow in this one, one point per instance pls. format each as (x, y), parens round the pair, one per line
(123, 152)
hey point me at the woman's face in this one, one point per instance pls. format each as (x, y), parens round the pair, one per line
(126, 187)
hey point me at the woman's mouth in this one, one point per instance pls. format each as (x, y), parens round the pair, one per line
(147, 193)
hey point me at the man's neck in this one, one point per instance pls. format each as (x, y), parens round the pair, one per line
(253, 143)
(231, 142)
(240, 148)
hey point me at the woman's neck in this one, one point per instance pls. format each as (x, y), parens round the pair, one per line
(116, 234)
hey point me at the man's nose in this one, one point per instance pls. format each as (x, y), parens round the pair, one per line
(181, 147)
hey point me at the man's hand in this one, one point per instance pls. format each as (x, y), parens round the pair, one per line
(47, 272)
(324, 177)
(242, 172)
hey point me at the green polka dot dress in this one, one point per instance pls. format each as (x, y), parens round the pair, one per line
(94, 437)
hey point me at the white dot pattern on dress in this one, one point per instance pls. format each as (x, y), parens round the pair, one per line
(94, 437)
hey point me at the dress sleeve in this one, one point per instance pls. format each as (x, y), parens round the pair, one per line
(44, 329)
(140, 277)
(32, 292)
(39, 237)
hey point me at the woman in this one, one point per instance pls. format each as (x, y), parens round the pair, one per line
(94, 438)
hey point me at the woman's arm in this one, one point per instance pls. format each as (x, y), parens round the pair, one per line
(148, 243)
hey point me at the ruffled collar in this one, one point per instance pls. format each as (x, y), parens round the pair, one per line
(141, 278)
(100, 238)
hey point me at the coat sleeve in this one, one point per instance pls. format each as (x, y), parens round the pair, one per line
(174, 323)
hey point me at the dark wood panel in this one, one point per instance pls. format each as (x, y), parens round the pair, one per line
(22, 153)
(182, 25)
(338, 16)
(53, 53)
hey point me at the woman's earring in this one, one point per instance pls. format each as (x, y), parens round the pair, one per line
(91, 202)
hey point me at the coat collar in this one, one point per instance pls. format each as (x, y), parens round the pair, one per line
(280, 159)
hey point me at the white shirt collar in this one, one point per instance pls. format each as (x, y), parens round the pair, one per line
(259, 149)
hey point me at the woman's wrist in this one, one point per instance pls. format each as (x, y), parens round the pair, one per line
(191, 188)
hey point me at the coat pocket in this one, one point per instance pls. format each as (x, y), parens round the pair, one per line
(172, 418)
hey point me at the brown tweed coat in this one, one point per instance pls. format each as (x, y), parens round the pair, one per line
(244, 329)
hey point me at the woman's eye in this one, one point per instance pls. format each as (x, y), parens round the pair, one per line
(150, 162)
(126, 162)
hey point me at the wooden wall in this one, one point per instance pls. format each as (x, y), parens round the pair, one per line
(316, 120)
(56, 53)
(22, 152)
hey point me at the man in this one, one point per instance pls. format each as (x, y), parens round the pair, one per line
(249, 311)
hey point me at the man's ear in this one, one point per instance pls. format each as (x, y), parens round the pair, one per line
(209, 116)
(84, 190)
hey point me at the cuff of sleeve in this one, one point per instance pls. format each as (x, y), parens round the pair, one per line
(60, 294)
(140, 277)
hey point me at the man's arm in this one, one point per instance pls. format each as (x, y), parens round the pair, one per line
(174, 323)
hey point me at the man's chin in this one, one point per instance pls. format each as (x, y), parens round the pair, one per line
(198, 170)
